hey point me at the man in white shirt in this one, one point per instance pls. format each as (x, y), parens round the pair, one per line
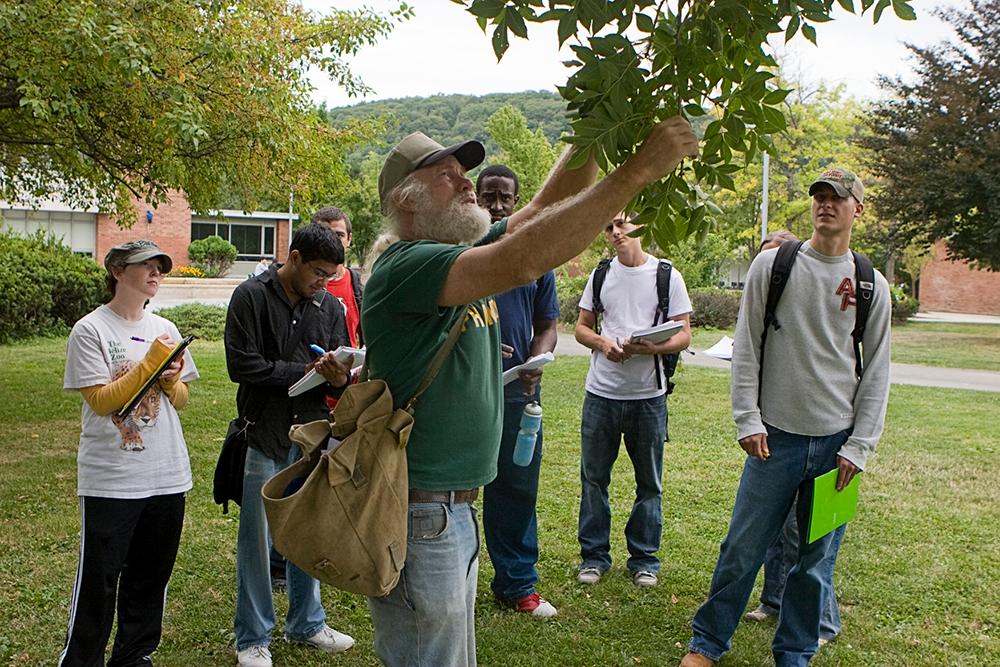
(625, 398)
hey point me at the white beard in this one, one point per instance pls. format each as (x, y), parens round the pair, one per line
(459, 223)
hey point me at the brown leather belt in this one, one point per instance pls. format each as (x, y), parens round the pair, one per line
(463, 496)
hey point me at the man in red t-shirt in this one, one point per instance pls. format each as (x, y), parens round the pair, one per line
(346, 283)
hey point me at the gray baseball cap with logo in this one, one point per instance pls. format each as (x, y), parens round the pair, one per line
(418, 150)
(134, 252)
(844, 182)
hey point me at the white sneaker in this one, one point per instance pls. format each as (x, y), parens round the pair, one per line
(328, 640)
(589, 576)
(255, 656)
(758, 615)
(644, 579)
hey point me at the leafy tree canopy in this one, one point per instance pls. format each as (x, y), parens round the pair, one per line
(529, 154)
(117, 99)
(639, 61)
(936, 144)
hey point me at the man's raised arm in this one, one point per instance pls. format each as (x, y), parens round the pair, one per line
(546, 236)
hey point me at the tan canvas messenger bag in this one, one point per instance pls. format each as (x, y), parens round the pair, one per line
(340, 513)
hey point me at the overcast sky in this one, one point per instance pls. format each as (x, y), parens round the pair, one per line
(442, 50)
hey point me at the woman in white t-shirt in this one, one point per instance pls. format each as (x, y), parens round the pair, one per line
(133, 471)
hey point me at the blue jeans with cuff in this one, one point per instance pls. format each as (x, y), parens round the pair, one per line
(428, 619)
(510, 523)
(642, 423)
(765, 496)
(255, 619)
(778, 562)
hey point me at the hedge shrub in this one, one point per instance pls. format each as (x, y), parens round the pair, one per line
(202, 320)
(44, 287)
(569, 290)
(714, 307)
(213, 254)
(904, 306)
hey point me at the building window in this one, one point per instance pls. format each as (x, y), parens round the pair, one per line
(252, 240)
(78, 231)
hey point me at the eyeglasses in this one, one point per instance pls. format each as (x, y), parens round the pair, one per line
(323, 275)
(490, 197)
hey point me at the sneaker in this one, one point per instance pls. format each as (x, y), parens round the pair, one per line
(279, 584)
(823, 642)
(328, 640)
(588, 576)
(533, 604)
(760, 614)
(644, 579)
(255, 656)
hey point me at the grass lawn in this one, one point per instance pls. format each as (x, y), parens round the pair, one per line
(975, 346)
(918, 578)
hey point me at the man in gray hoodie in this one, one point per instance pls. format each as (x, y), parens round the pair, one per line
(800, 410)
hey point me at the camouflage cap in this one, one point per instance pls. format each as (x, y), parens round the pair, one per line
(134, 252)
(844, 182)
(418, 150)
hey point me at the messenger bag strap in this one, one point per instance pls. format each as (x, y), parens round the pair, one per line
(438, 361)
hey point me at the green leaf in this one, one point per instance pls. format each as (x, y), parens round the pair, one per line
(487, 8)
(879, 8)
(775, 97)
(809, 33)
(694, 109)
(904, 10)
(644, 23)
(500, 41)
(516, 23)
(847, 4)
(567, 26)
(793, 27)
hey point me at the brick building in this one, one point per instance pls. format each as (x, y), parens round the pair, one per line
(954, 287)
(172, 225)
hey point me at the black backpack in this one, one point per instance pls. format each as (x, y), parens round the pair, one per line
(663, 270)
(864, 277)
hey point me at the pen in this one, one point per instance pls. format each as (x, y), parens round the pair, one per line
(140, 340)
(317, 349)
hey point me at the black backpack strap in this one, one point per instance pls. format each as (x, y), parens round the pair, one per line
(864, 292)
(780, 270)
(669, 361)
(600, 273)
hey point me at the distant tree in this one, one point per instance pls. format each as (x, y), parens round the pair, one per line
(116, 99)
(528, 153)
(936, 143)
(362, 205)
(640, 61)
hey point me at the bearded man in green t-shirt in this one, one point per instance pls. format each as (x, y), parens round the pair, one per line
(441, 262)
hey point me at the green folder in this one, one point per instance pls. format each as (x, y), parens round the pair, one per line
(831, 509)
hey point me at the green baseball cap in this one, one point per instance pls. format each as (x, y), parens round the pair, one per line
(844, 182)
(135, 252)
(418, 150)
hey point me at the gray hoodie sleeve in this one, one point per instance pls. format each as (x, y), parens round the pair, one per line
(744, 383)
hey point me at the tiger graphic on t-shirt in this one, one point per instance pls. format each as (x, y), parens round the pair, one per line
(142, 417)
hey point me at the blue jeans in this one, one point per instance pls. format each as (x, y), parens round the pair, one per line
(510, 524)
(428, 619)
(254, 604)
(778, 562)
(643, 423)
(765, 496)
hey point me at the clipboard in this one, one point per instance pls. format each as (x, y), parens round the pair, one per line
(176, 352)
(830, 508)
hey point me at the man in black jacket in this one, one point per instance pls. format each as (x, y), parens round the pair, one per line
(273, 318)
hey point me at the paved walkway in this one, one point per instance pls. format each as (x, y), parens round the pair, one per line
(179, 291)
(924, 376)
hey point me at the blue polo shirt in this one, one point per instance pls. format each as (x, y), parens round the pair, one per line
(519, 307)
